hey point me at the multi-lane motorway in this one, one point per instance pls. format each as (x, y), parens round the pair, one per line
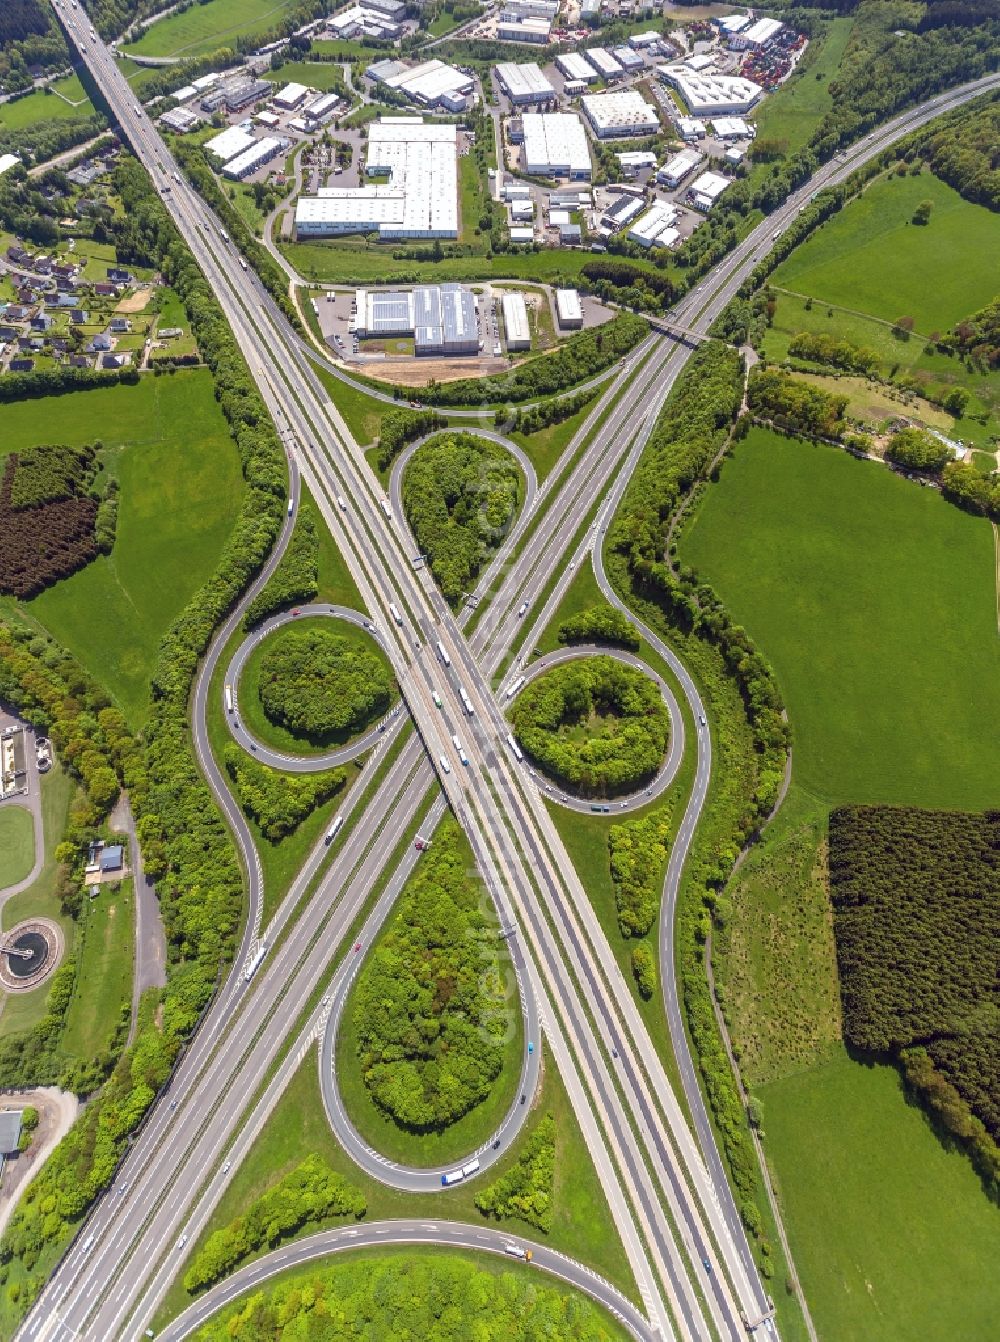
(675, 1216)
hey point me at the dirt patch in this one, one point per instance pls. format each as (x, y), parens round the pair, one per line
(418, 372)
(135, 302)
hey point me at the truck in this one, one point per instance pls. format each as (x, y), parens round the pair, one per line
(460, 749)
(342, 503)
(229, 699)
(243, 263)
(254, 962)
(394, 612)
(470, 1168)
(518, 753)
(466, 700)
(445, 765)
(291, 506)
(334, 829)
(514, 686)
(452, 1177)
(515, 1251)
(443, 651)
(386, 508)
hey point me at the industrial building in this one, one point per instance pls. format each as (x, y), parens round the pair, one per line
(622, 212)
(420, 199)
(711, 95)
(515, 322)
(322, 108)
(689, 128)
(676, 169)
(604, 63)
(648, 230)
(290, 97)
(235, 95)
(521, 235)
(635, 160)
(758, 35)
(228, 143)
(615, 115)
(569, 311)
(366, 20)
(523, 83)
(705, 190)
(628, 59)
(732, 128)
(515, 28)
(576, 68)
(430, 84)
(181, 119)
(532, 9)
(441, 317)
(261, 152)
(555, 145)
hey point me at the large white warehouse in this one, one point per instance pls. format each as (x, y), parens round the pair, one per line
(523, 83)
(613, 115)
(712, 95)
(420, 199)
(555, 145)
(515, 322)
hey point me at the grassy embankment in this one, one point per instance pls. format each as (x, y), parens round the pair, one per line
(875, 602)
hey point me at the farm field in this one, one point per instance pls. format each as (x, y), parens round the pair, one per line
(17, 843)
(892, 1234)
(180, 491)
(870, 257)
(792, 113)
(875, 602)
(207, 26)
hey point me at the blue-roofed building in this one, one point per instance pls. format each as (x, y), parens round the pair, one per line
(112, 857)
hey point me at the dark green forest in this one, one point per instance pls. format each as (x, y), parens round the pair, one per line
(916, 917)
(430, 1012)
(278, 802)
(446, 1298)
(322, 686)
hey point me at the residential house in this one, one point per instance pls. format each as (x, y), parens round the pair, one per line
(19, 312)
(120, 325)
(100, 341)
(42, 265)
(105, 290)
(119, 276)
(79, 317)
(43, 322)
(79, 361)
(17, 255)
(7, 333)
(115, 360)
(22, 365)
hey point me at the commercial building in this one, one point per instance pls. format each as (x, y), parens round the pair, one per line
(628, 59)
(181, 119)
(558, 218)
(604, 63)
(517, 333)
(521, 235)
(236, 95)
(569, 312)
(523, 83)
(635, 160)
(441, 318)
(732, 128)
(676, 169)
(228, 143)
(395, 9)
(705, 190)
(734, 23)
(290, 97)
(689, 128)
(522, 211)
(515, 28)
(615, 115)
(700, 62)
(711, 95)
(183, 94)
(426, 84)
(758, 35)
(322, 108)
(648, 229)
(575, 67)
(555, 145)
(261, 152)
(367, 20)
(642, 40)
(420, 199)
(622, 212)
(570, 235)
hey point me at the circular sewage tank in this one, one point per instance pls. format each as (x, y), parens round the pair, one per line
(35, 949)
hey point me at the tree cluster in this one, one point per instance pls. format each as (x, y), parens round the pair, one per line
(542, 415)
(597, 725)
(278, 802)
(963, 154)
(978, 337)
(620, 280)
(833, 351)
(400, 427)
(644, 971)
(296, 579)
(430, 1007)
(443, 1297)
(582, 356)
(311, 1194)
(599, 624)
(637, 851)
(321, 686)
(967, 487)
(916, 918)
(794, 405)
(917, 450)
(460, 496)
(526, 1190)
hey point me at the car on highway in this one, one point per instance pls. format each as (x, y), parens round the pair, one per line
(357, 946)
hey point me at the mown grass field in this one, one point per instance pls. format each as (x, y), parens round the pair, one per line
(875, 601)
(106, 950)
(869, 257)
(892, 1234)
(17, 843)
(180, 492)
(298, 1127)
(41, 106)
(209, 25)
(792, 113)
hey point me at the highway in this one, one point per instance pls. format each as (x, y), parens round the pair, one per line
(638, 1158)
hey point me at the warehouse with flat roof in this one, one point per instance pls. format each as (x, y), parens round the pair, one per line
(290, 97)
(555, 145)
(419, 199)
(655, 227)
(614, 115)
(569, 310)
(711, 95)
(575, 67)
(441, 318)
(228, 143)
(260, 152)
(604, 63)
(523, 83)
(517, 333)
(705, 190)
(676, 169)
(430, 83)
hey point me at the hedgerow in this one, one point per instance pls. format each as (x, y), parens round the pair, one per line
(296, 579)
(311, 1194)
(599, 624)
(278, 802)
(526, 1190)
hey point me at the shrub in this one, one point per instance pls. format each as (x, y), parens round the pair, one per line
(599, 624)
(644, 971)
(526, 1190)
(917, 450)
(624, 723)
(637, 850)
(320, 685)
